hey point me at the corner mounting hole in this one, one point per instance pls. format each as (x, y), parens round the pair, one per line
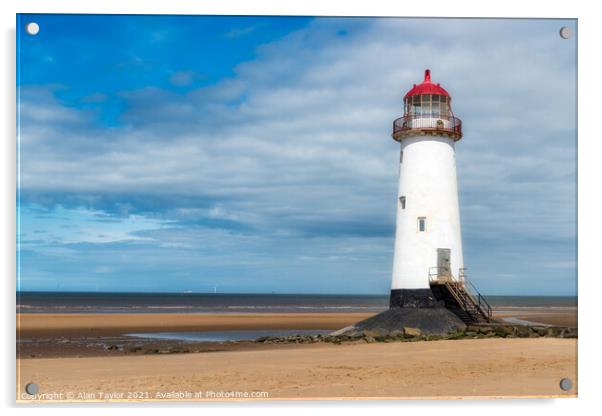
(565, 32)
(32, 28)
(566, 384)
(32, 389)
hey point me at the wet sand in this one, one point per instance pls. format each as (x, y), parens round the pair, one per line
(562, 317)
(64, 325)
(52, 325)
(86, 335)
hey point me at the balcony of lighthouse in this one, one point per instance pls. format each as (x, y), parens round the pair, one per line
(427, 114)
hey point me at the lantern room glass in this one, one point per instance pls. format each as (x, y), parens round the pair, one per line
(428, 105)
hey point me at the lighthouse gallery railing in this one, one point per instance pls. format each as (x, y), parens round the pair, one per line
(433, 122)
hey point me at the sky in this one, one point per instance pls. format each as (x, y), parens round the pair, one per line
(253, 154)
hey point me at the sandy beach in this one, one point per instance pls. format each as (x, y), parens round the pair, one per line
(67, 355)
(465, 368)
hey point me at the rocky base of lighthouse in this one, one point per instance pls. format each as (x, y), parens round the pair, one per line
(409, 308)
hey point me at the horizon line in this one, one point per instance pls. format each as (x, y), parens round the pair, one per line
(254, 293)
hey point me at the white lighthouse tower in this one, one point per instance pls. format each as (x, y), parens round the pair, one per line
(428, 238)
(429, 288)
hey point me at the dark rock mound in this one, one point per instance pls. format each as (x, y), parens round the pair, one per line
(430, 321)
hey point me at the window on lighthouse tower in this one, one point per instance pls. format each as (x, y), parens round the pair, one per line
(421, 224)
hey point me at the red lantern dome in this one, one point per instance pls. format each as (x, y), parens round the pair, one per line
(427, 87)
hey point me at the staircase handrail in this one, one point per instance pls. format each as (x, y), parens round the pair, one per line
(470, 293)
(434, 278)
(482, 302)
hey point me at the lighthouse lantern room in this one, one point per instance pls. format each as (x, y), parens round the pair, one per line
(427, 111)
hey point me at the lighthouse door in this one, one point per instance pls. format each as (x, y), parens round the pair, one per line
(443, 262)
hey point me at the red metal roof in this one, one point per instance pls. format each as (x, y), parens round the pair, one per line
(427, 87)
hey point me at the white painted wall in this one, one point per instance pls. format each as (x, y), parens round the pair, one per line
(428, 180)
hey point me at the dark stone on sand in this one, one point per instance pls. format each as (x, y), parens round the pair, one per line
(553, 331)
(377, 329)
(568, 333)
(481, 329)
(523, 331)
(409, 332)
(541, 330)
(373, 333)
(504, 331)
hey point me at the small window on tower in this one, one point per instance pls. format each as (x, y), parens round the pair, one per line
(402, 201)
(421, 224)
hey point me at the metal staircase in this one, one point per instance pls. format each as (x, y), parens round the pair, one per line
(460, 296)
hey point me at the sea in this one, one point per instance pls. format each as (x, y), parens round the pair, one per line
(86, 302)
